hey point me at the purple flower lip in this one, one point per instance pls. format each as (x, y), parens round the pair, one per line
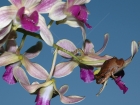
(8, 75)
(80, 13)
(121, 84)
(86, 74)
(29, 23)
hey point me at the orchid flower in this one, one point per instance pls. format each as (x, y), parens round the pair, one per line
(12, 60)
(87, 55)
(45, 91)
(27, 15)
(119, 73)
(72, 12)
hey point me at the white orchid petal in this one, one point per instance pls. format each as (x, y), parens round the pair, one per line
(71, 99)
(68, 99)
(106, 37)
(7, 13)
(134, 50)
(88, 47)
(4, 31)
(64, 69)
(45, 32)
(11, 46)
(67, 45)
(30, 3)
(56, 13)
(80, 2)
(63, 89)
(35, 70)
(7, 58)
(72, 23)
(45, 5)
(17, 3)
(34, 50)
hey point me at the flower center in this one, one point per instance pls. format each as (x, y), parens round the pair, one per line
(29, 23)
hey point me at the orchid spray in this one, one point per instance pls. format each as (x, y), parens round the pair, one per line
(27, 17)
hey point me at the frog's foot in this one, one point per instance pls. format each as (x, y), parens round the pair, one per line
(114, 77)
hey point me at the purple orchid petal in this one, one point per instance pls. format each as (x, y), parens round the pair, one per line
(28, 22)
(8, 75)
(80, 13)
(44, 95)
(121, 84)
(86, 74)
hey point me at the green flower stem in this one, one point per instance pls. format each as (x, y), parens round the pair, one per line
(29, 33)
(21, 44)
(61, 49)
(50, 24)
(67, 52)
(53, 63)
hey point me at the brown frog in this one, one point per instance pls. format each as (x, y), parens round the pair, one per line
(108, 69)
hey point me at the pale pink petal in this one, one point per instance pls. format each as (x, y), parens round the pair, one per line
(7, 14)
(67, 45)
(20, 75)
(71, 99)
(45, 32)
(88, 47)
(34, 50)
(68, 99)
(134, 50)
(4, 31)
(34, 69)
(7, 58)
(17, 3)
(56, 13)
(45, 5)
(63, 89)
(80, 2)
(31, 88)
(64, 69)
(106, 37)
(11, 46)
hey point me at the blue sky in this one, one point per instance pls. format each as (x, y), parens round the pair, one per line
(119, 18)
